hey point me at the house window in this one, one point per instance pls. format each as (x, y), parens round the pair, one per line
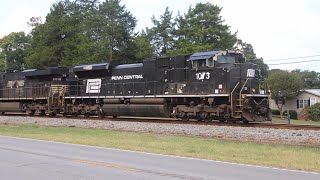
(313, 101)
(303, 103)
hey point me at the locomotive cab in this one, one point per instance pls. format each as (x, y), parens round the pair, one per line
(212, 59)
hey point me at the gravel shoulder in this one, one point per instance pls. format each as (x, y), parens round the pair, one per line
(260, 135)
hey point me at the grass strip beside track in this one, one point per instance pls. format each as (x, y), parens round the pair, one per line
(281, 156)
(293, 121)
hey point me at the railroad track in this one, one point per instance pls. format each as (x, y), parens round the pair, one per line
(176, 121)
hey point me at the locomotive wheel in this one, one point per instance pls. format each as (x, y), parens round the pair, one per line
(207, 120)
(86, 115)
(185, 119)
(101, 114)
(231, 121)
(52, 114)
(42, 113)
(31, 113)
(75, 114)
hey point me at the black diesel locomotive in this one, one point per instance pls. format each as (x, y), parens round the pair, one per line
(214, 85)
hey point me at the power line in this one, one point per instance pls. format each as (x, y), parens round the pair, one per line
(296, 62)
(291, 58)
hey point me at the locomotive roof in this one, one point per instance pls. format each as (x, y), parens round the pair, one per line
(203, 55)
(88, 67)
(125, 66)
(45, 72)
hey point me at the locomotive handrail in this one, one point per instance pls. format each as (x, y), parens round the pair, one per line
(240, 93)
(231, 98)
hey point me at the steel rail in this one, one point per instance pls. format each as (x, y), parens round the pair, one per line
(176, 121)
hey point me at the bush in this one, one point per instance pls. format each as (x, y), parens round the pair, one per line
(293, 114)
(314, 112)
(275, 112)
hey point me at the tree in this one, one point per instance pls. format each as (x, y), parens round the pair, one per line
(162, 33)
(251, 56)
(201, 29)
(49, 39)
(143, 49)
(34, 21)
(13, 49)
(311, 79)
(284, 86)
(81, 32)
(116, 28)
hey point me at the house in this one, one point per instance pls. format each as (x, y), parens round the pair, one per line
(308, 97)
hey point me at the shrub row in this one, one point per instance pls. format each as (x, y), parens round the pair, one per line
(293, 113)
(314, 112)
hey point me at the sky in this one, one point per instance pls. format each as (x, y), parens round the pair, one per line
(277, 29)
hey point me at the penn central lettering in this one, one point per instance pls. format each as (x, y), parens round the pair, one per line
(114, 78)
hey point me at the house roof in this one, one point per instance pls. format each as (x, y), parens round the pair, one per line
(315, 92)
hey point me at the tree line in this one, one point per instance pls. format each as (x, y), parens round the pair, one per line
(89, 31)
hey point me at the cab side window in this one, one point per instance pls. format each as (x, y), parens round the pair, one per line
(202, 63)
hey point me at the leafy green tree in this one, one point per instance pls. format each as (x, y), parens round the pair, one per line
(311, 79)
(81, 31)
(202, 28)
(116, 28)
(34, 21)
(47, 45)
(138, 49)
(13, 51)
(142, 48)
(162, 33)
(284, 86)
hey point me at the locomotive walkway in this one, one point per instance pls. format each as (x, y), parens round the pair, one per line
(35, 159)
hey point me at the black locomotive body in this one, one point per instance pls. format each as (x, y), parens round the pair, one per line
(204, 86)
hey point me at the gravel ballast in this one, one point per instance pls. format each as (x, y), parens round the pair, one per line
(263, 135)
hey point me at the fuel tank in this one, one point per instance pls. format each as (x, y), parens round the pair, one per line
(11, 107)
(142, 110)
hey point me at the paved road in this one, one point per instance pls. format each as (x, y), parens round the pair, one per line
(33, 159)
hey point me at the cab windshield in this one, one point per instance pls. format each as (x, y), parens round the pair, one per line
(226, 59)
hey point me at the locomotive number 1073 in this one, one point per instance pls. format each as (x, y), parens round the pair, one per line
(202, 75)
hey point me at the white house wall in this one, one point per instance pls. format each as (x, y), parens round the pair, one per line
(292, 104)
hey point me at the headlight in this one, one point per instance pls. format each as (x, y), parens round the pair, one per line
(250, 73)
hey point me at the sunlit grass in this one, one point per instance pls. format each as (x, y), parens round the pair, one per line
(282, 156)
(293, 121)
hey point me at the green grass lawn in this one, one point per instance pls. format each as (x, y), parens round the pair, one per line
(292, 157)
(293, 121)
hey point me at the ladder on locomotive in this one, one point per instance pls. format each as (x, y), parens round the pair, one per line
(236, 101)
(55, 100)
